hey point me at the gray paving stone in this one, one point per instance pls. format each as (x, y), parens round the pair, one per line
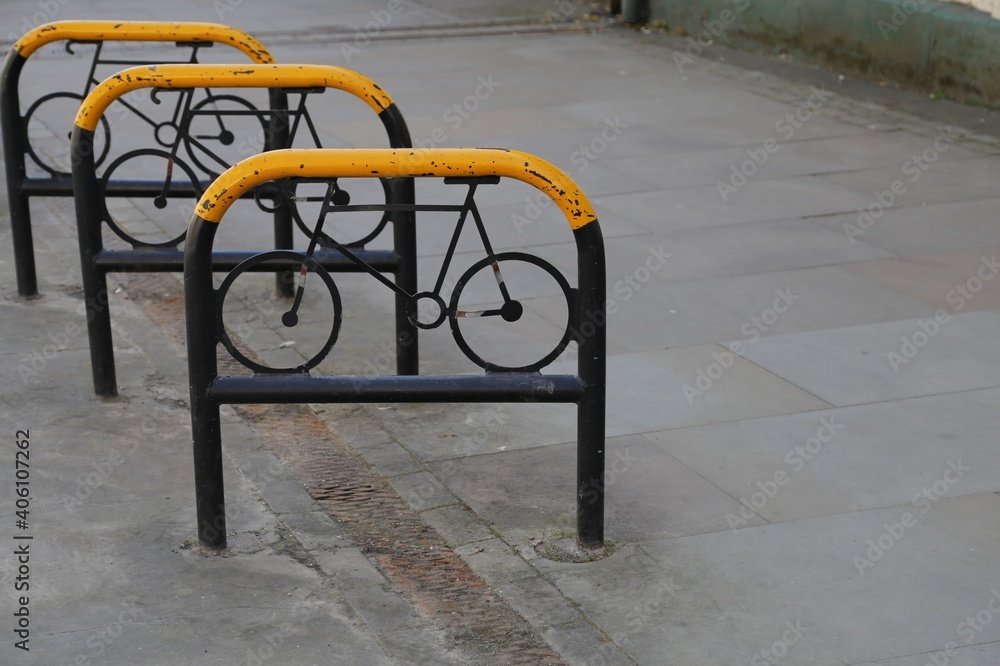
(698, 207)
(649, 495)
(744, 309)
(955, 281)
(777, 159)
(853, 365)
(699, 103)
(943, 181)
(964, 655)
(723, 598)
(842, 460)
(457, 525)
(921, 229)
(422, 491)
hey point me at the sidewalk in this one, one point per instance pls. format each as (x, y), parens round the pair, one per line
(802, 388)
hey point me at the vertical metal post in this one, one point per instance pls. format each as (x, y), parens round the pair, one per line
(404, 235)
(404, 242)
(634, 11)
(202, 340)
(275, 139)
(95, 286)
(591, 320)
(14, 148)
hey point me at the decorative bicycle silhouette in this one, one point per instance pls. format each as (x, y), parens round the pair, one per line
(465, 312)
(57, 109)
(38, 139)
(195, 126)
(173, 178)
(502, 303)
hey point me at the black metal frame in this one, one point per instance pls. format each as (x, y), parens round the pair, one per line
(209, 390)
(20, 188)
(98, 261)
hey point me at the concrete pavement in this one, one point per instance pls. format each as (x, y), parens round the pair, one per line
(803, 380)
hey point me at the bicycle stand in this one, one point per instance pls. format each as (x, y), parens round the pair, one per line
(17, 147)
(585, 319)
(91, 193)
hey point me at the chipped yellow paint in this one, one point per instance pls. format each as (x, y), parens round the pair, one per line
(227, 76)
(142, 31)
(384, 162)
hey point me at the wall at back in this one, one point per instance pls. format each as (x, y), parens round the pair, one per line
(943, 47)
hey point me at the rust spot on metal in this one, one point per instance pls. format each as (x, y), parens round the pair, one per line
(541, 176)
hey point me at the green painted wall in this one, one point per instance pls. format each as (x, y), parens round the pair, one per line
(933, 45)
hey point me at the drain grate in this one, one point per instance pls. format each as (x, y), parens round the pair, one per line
(417, 560)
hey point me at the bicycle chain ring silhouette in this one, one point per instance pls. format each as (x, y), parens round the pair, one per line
(290, 318)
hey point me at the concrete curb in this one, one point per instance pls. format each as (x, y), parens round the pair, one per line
(940, 47)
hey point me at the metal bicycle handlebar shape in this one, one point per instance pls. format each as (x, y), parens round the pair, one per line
(206, 330)
(98, 261)
(20, 188)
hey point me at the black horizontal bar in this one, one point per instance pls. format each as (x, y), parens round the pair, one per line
(390, 208)
(47, 187)
(168, 260)
(54, 187)
(286, 388)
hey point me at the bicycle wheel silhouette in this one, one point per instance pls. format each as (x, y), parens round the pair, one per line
(304, 199)
(48, 125)
(218, 132)
(166, 202)
(331, 311)
(494, 329)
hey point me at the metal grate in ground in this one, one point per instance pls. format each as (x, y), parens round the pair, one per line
(411, 555)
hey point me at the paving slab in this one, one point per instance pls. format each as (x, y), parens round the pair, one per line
(876, 362)
(921, 229)
(749, 585)
(746, 308)
(954, 281)
(941, 182)
(843, 460)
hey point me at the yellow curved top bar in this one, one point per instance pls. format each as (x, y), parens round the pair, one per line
(384, 162)
(142, 31)
(227, 76)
